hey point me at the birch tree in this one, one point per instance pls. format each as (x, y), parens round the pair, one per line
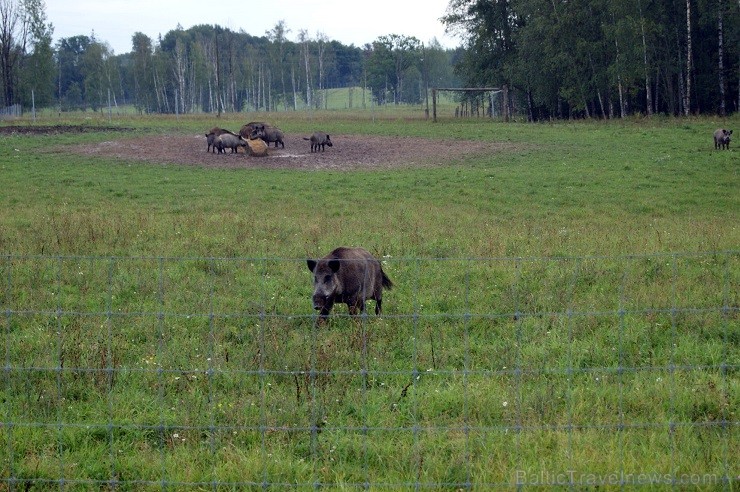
(13, 31)
(721, 56)
(321, 40)
(39, 72)
(304, 39)
(144, 87)
(687, 93)
(277, 35)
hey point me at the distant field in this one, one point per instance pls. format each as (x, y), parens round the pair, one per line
(565, 312)
(346, 98)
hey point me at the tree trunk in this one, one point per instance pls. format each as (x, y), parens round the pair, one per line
(678, 103)
(282, 77)
(10, 15)
(648, 90)
(292, 80)
(620, 89)
(505, 109)
(687, 94)
(721, 67)
(180, 75)
(657, 90)
(306, 60)
(217, 71)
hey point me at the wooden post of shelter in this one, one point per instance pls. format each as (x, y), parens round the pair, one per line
(506, 103)
(434, 105)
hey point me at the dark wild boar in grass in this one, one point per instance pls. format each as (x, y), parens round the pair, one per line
(347, 275)
(722, 138)
(319, 138)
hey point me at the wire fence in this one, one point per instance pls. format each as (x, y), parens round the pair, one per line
(215, 373)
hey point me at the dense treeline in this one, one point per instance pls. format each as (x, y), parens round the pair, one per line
(554, 58)
(209, 68)
(603, 58)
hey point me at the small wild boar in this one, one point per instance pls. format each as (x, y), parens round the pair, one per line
(229, 141)
(211, 137)
(722, 138)
(319, 138)
(273, 134)
(350, 276)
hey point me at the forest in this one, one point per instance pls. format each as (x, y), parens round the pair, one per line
(552, 59)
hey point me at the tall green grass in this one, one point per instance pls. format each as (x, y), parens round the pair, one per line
(565, 311)
(570, 188)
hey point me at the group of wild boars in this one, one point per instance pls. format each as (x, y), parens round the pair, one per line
(350, 276)
(253, 129)
(211, 136)
(265, 131)
(319, 139)
(722, 138)
(219, 140)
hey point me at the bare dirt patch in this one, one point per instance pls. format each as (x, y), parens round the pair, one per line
(350, 152)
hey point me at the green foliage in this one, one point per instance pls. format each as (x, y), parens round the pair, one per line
(388, 66)
(36, 84)
(599, 58)
(567, 304)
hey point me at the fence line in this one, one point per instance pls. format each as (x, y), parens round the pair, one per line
(14, 111)
(481, 373)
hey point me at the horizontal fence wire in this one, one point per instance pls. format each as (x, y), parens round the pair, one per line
(216, 373)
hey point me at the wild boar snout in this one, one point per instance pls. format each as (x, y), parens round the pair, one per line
(324, 284)
(319, 301)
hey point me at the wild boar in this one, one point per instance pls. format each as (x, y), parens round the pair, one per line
(229, 141)
(273, 134)
(211, 137)
(347, 275)
(319, 138)
(722, 138)
(253, 129)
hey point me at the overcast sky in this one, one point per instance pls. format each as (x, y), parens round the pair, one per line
(346, 21)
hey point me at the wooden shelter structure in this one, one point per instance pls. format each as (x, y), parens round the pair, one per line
(495, 90)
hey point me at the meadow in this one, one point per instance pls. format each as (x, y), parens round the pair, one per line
(565, 310)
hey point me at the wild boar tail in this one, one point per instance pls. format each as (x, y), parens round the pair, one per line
(386, 281)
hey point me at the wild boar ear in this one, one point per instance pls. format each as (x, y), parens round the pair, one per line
(334, 265)
(311, 264)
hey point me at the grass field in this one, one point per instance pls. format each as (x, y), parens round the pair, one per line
(565, 311)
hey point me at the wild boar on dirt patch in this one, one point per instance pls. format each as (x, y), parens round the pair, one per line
(229, 141)
(273, 134)
(253, 129)
(319, 138)
(722, 138)
(350, 276)
(211, 136)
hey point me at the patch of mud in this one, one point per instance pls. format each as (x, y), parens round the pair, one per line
(350, 152)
